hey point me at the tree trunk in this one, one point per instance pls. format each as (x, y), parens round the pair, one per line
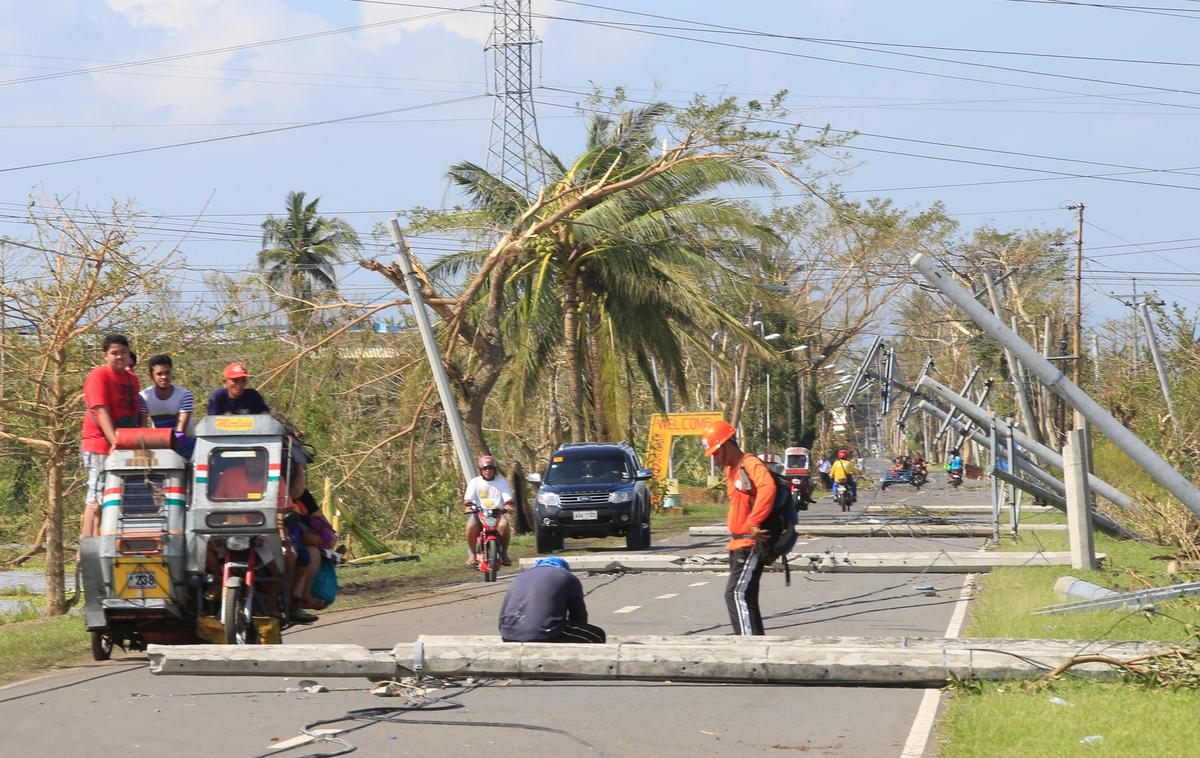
(571, 350)
(596, 369)
(813, 408)
(56, 601)
(739, 389)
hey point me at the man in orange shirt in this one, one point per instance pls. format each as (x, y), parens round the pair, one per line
(751, 490)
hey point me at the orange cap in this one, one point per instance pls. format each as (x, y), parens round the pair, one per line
(236, 370)
(716, 435)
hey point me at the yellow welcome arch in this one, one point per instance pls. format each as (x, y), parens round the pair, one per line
(665, 427)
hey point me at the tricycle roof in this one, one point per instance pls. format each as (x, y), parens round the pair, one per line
(240, 426)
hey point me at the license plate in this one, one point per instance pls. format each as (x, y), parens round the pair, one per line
(141, 580)
(584, 515)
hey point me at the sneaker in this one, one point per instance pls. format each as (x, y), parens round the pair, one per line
(301, 616)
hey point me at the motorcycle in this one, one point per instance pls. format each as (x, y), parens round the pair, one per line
(954, 478)
(841, 496)
(487, 544)
(920, 475)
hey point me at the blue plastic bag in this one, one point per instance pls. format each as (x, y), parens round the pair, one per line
(325, 583)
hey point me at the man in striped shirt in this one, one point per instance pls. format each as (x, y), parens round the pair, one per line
(168, 405)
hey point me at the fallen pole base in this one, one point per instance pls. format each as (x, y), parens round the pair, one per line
(851, 661)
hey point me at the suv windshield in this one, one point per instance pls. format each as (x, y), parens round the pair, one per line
(591, 469)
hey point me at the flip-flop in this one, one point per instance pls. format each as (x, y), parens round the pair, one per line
(473, 564)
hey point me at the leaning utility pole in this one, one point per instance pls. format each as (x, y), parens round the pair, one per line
(458, 433)
(514, 152)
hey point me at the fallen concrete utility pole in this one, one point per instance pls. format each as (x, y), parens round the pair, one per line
(1020, 464)
(893, 529)
(1154, 465)
(862, 661)
(940, 562)
(954, 510)
(1046, 454)
(1055, 495)
(1136, 600)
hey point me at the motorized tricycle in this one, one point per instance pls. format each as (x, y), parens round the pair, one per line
(134, 573)
(796, 471)
(195, 551)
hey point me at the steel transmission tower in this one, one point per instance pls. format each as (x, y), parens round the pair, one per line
(513, 154)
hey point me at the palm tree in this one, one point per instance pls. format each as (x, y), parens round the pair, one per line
(624, 278)
(298, 253)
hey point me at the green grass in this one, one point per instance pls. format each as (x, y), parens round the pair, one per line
(32, 645)
(1008, 720)
(1020, 720)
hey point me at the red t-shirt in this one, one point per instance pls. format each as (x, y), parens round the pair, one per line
(118, 392)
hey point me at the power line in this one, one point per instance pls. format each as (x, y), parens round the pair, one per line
(228, 48)
(227, 137)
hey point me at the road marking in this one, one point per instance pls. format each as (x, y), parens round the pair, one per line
(667, 596)
(627, 609)
(918, 735)
(697, 584)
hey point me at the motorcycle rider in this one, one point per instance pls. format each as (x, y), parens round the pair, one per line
(487, 491)
(955, 467)
(842, 472)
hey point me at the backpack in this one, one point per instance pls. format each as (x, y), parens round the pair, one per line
(780, 523)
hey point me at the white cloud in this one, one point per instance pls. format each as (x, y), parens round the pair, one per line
(165, 14)
(473, 23)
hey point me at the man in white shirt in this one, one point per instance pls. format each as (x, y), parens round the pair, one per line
(168, 405)
(487, 491)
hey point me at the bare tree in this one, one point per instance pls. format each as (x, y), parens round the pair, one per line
(79, 274)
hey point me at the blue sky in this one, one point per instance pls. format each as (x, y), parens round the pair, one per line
(1022, 136)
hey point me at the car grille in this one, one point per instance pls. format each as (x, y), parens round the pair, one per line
(576, 499)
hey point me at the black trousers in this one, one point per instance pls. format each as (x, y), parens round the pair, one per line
(581, 633)
(741, 592)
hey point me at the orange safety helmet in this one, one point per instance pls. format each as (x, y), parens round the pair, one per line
(716, 435)
(842, 455)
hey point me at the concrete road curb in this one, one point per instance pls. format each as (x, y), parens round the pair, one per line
(883, 661)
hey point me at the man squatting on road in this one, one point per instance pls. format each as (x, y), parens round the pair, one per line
(751, 490)
(545, 604)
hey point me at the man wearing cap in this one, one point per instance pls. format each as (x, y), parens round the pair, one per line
(751, 490)
(545, 604)
(234, 397)
(487, 491)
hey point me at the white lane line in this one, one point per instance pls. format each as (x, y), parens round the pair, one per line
(697, 584)
(922, 727)
(627, 609)
(667, 596)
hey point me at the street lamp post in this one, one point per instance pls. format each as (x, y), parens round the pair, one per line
(767, 338)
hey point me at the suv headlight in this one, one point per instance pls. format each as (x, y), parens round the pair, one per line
(548, 499)
(620, 496)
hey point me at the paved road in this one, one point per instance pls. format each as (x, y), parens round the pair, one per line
(118, 708)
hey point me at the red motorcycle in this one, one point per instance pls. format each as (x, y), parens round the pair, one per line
(487, 545)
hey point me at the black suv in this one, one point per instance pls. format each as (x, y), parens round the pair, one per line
(592, 490)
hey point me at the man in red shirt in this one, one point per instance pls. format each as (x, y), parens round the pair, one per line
(111, 395)
(751, 490)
